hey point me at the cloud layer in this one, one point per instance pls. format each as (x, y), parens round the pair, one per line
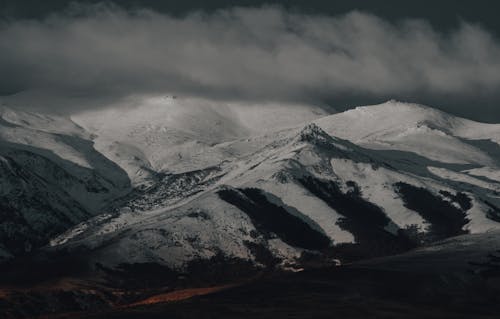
(258, 54)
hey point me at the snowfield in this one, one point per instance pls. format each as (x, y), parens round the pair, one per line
(173, 134)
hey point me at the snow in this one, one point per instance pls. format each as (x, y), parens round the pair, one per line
(41, 123)
(490, 173)
(31, 130)
(479, 223)
(60, 151)
(464, 178)
(176, 134)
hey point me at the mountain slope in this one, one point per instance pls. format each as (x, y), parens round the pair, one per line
(51, 179)
(420, 129)
(172, 134)
(304, 193)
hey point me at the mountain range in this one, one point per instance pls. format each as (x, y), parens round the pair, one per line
(204, 190)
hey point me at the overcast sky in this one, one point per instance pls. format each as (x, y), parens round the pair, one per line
(331, 56)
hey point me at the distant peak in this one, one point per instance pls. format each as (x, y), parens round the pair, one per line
(408, 105)
(405, 110)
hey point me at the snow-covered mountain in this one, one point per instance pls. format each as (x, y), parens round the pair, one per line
(58, 171)
(177, 181)
(371, 181)
(419, 129)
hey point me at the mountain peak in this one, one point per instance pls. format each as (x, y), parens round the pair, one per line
(313, 133)
(391, 117)
(400, 106)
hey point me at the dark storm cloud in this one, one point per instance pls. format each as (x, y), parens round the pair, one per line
(263, 54)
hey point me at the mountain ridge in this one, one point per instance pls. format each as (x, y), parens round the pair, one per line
(306, 171)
